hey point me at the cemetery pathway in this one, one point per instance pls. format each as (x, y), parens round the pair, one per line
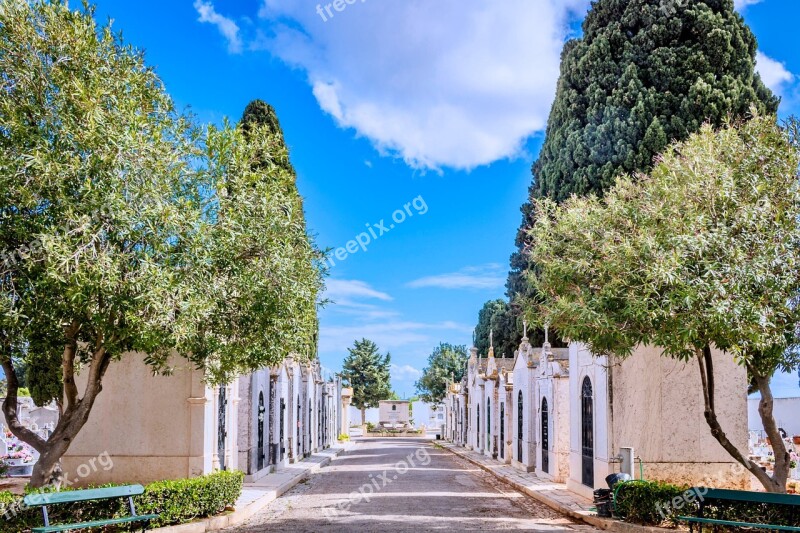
(405, 485)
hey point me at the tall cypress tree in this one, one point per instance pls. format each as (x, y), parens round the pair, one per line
(644, 74)
(271, 159)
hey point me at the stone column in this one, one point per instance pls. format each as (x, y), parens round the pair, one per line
(480, 429)
(347, 399)
(292, 413)
(496, 418)
(215, 433)
(510, 410)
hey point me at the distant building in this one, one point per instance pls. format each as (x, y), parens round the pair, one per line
(394, 413)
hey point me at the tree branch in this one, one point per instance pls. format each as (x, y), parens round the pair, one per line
(10, 410)
(68, 366)
(707, 378)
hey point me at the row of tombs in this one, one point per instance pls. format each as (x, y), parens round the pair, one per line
(574, 417)
(150, 428)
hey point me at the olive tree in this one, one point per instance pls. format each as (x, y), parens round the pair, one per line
(119, 233)
(703, 252)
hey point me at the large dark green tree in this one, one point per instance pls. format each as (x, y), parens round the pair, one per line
(368, 373)
(506, 323)
(644, 73)
(446, 362)
(484, 326)
(259, 114)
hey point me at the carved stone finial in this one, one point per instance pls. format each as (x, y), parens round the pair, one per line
(524, 329)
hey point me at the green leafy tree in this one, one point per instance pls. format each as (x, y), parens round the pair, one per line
(505, 322)
(643, 74)
(484, 326)
(447, 362)
(117, 233)
(368, 373)
(701, 253)
(259, 114)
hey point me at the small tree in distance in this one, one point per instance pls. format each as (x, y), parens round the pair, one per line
(445, 363)
(701, 253)
(367, 372)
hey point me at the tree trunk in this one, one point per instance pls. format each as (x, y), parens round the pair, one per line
(781, 454)
(75, 413)
(363, 416)
(771, 484)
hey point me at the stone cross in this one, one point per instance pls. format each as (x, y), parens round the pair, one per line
(491, 338)
(546, 329)
(525, 329)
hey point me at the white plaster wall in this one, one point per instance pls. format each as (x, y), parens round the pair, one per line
(658, 410)
(524, 381)
(152, 427)
(785, 410)
(582, 363)
(372, 415)
(490, 405)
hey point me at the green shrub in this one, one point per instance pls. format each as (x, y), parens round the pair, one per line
(344, 437)
(653, 503)
(660, 504)
(176, 501)
(761, 513)
(370, 426)
(184, 500)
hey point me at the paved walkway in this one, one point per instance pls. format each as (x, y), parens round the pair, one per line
(274, 485)
(548, 492)
(405, 485)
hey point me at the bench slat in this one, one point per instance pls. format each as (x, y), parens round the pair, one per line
(98, 523)
(748, 496)
(739, 524)
(50, 498)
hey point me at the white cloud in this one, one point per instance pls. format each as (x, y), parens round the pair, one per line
(486, 277)
(340, 290)
(227, 27)
(388, 335)
(405, 372)
(741, 4)
(773, 73)
(444, 83)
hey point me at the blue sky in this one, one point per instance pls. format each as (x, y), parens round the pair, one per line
(437, 104)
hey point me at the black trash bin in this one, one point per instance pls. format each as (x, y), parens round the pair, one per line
(603, 502)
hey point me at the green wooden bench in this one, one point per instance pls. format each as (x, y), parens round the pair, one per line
(742, 496)
(55, 498)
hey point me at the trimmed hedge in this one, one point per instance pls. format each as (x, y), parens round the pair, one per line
(653, 503)
(176, 502)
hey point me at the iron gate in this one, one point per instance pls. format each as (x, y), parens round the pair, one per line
(222, 433)
(545, 437)
(587, 433)
(261, 411)
(502, 430)
(280, 448)
(519, 427)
